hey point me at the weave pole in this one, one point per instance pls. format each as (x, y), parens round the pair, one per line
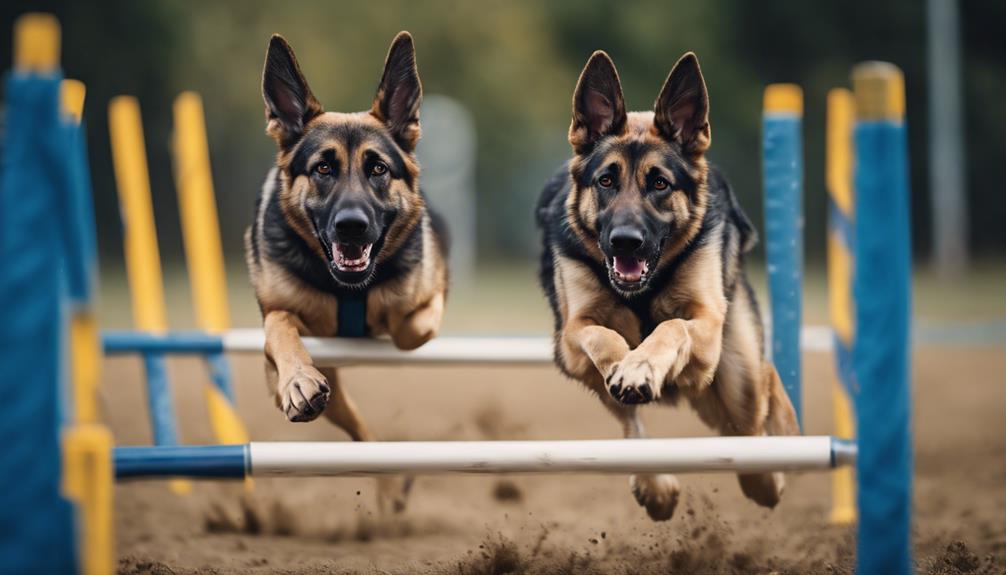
(36, 521)
(143, 264)
(841, 114)
(782, 173)
(204, 256)
(87, 444)
(882, 292)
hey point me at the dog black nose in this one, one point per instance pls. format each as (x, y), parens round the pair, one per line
(351, 223)
(626, 240)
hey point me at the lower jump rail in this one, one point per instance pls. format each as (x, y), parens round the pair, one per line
(690, 455)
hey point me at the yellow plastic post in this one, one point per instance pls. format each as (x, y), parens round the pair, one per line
(841, 114)
(88, 481)
(199, 214)
(783, 98)
(36, 43)
(71, 96)
(880, 91)
(85, 347)
(143, 263)
(203, 249)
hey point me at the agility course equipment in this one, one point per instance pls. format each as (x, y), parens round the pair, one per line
(35, 510)
(841, 115)
(882, 293)
(782, 185)
(345, 459)
(55, 467)
(203, 253)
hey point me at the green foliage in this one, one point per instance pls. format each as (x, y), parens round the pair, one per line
(514, 64)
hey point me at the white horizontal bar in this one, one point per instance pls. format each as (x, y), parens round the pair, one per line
(446, 349)
(706, 454)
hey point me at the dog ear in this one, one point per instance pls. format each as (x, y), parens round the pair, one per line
(681, 112)
(289, 103)
(598, 106)
(400, 93)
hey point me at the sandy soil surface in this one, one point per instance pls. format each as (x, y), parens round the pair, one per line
(551, 524)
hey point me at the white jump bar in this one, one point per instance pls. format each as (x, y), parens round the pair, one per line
(445, 349)
(712, 454)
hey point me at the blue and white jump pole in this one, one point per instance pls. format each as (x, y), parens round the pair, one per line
(691, 455)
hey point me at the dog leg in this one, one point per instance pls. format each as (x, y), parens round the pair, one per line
(419, 326)
(301, 390)
(740, 402)
(658, 494)
(781, 418)
(684, 352)
(392, 491)
(588, 350)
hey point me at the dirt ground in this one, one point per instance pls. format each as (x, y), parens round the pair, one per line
(551, 524)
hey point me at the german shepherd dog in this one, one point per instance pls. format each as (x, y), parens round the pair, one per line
(341, 216)
(643, 266)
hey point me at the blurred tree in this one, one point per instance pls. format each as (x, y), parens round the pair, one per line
(514, 64)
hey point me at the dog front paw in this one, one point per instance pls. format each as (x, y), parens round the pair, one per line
(304, 395)
(633, 381)
(658, 494)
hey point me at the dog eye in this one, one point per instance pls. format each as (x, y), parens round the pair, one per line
(323, 168)
(605, 181)
(378, 169)
(660, 184)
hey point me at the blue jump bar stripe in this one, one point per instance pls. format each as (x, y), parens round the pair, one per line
(175, 342)
(221, 461)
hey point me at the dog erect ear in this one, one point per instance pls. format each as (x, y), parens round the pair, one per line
(400, 93)
(598, 106)
(681, 112)
(289, 103)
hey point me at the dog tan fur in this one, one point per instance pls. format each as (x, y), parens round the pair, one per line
(341, 215)
(643, 266)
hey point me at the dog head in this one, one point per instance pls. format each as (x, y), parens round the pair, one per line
(350, 181)
(639, 178)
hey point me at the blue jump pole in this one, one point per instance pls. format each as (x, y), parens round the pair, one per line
(782, 173)
(882, 289)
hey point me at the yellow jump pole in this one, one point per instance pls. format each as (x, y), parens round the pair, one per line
(204, 254)
(841, 114)
(143, 264)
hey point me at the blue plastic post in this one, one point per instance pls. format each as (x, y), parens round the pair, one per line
(882, 289)
(162, 408)
(782, 172)
(36, 523)
(81, 260)
(220, 374)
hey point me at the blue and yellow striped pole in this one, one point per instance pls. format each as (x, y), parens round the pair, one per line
(841, 113)
(143, 264)
(87, 445)
(782, 172)
(204, 254)
(882, 292)
(36, 521)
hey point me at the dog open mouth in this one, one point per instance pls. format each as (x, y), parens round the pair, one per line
(628, 273)
(351, 257)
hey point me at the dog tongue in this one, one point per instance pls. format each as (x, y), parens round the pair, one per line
(629, 269)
